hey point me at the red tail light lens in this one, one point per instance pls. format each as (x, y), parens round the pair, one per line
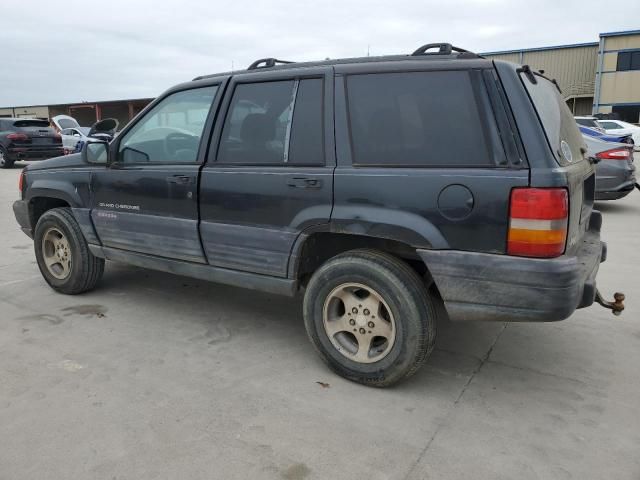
(538, 222)
(17, 136)
(615, 154)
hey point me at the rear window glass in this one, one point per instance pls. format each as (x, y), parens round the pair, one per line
(557, 121)
(416, 119)
(31, 123)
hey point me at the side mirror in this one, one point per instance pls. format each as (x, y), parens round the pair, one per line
(95, 152)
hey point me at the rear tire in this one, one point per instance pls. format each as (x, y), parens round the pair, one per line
(370, 317)
(4, 161)
(63, 255)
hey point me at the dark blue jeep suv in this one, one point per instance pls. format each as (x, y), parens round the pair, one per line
(387, 190)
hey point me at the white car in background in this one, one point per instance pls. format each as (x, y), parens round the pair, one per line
(618, 127)
(72, 136)
(591, 122)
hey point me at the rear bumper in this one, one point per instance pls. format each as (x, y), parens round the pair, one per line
(619, 192)
(34, 153)
(614, 179)
(481, 286)
(21, 212)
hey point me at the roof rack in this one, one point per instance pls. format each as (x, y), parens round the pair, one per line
(444, 49)
(268, 63)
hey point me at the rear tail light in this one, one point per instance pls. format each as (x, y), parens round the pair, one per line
(615, 154)
(17, 136)
(538, 222)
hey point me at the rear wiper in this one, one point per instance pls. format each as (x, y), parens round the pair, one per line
(531, 75)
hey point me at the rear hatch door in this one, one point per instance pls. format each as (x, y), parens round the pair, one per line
(38, 133)
(572, 166)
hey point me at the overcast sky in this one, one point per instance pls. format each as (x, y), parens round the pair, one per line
(72, 51)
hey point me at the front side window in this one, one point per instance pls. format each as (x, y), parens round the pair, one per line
(416, 119)
(171, 131)
(274, 123)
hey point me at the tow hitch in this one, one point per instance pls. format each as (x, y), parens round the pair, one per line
(616, 307)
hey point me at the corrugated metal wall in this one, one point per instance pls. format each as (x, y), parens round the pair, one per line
(573, 68)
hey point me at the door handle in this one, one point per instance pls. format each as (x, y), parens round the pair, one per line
(179, 179)
(304, 182)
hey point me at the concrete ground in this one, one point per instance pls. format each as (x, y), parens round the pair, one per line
(158, 376)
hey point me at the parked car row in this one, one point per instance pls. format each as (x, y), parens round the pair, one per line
(38, 139)
(610, 144)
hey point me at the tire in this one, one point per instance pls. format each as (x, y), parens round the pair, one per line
(84, 269)
(408, 317)
(4, 161)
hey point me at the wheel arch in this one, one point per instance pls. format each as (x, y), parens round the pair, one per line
(38, 205)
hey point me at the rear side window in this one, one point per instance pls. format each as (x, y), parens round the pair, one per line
(306, 143)
(274, 123)
(609, 125)
(558, 123)
(416, 119)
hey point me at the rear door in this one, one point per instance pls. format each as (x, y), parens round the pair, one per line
(147, 200)
(268, 177)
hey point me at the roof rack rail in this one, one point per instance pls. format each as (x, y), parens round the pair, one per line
(268, 63)
(443, 49)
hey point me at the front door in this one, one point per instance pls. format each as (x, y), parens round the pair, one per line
(271, 176)
(146, 201)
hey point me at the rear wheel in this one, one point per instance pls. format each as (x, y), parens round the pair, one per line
(63, 255)
(370, 317)
(4, 161)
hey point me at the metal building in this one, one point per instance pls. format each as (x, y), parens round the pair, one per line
(87, 113)
(573, 67)
(600, 78)
(617, 88)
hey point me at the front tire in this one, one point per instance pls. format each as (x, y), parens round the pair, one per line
(370, 317)
(63, 255)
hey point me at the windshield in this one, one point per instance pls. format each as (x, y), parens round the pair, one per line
(84, 130)
(559, 124)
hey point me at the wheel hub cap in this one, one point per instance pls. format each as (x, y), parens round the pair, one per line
(56, 253)
(359, 323)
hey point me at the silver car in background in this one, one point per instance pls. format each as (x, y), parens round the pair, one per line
(615, 170)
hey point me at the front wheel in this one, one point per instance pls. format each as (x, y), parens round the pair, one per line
(370, 317)
(63, 255)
